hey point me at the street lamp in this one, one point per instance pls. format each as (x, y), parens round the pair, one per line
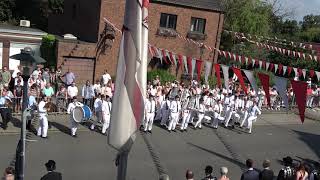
(27, 63)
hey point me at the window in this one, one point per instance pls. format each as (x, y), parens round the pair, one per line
(168, 21)
(198, 25)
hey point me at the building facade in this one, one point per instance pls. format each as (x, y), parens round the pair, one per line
(15, 38)
(98, 45)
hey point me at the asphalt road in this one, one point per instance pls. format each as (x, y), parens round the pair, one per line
(89, 157)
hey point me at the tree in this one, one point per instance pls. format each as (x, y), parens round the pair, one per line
(311, 21)
(7, 10)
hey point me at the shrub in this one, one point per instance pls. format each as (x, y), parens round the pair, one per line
(164, 75)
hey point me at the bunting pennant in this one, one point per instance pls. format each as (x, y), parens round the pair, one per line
(299, 72)
(208, 66)
(271, 66)
(295, 70)
(199, 65)
(275, 68)
(185, 62)
(253, 62)
(281, 84)
(311, 73)
(267, 66)
(251, 79)
(246, 61)
(280, 68)
(164, 56)
(160, 55)
(180, 60)
(193, 62)
(168, 56)
(173, 58)
(264, 80)
(289, 70)
(304, 73)
(225, 70)
(300, 90)
(217, 69)
(260, 64)
(189, 61)
(318, 75)
(237, 71)
(151, 51)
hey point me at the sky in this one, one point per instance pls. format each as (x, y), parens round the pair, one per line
(302, 7)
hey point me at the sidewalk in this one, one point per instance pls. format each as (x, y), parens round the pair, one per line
(57, 123)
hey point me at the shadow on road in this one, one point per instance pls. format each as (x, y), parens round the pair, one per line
(61, 127)
(312, 140)
(238, 163)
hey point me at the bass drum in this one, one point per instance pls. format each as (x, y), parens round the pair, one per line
(81, 114)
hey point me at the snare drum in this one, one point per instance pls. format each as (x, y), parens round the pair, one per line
(81, 114)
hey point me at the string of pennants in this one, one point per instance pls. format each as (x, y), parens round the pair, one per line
(283, 51)
(272, 40)
(281, 69)
(299, 87)
(190, 63)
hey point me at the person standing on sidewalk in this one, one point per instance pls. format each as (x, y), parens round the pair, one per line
(51, 175)
(43, 120)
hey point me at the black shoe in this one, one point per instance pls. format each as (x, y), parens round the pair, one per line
(75, 136)
(185, 130)
(44, 137)
(150, 132)
(181, 130)
(174, 130)
(5, 127)
(169, 131)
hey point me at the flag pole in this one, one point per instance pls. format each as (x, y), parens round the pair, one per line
(122, 160)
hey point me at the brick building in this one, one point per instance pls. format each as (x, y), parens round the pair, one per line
(94, 50)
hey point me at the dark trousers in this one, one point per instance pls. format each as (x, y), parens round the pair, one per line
(6, 116)
(88, 102)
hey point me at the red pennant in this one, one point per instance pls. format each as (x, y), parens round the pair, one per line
(198, 64)
(237, 71)
(280, 67)
(217, 69)
(289, 69)
(264, 64)
(189, 62)
(243, 60)
(311, 73)
(271, 66)
(264, 79)
(299, 72)
(300, 90)
(151, 51)
(180, 60)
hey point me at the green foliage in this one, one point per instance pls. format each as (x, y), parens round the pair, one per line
(311, 21)
(311, 35)
(48, 50)
(248, 16)
(164, 75)
(271, 76)
(7, 10)
(212, 81)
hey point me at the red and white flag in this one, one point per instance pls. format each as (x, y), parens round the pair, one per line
(131, 81)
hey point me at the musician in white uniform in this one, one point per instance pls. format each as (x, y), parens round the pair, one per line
(175, 108)
(73, 123)
(217, 114)
(106, 113)
(185, 114)
(248, 104)
(165, 111)
(253, 115)
(43, 120)
(149, 108)
(97, 110)
(201, 111)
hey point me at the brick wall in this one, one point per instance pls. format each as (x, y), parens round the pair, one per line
(113, 10)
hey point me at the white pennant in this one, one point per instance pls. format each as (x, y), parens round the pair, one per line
(316, 58)
(225, 70)
(185, 64)
(304, 73)
(295, 72)
(260, 64)
(275, 67)
(246, 60)
(253, 62)
(289, 52)
(229, 55)
(304, 56)
(267, 65)
(193, 62)
(159, 54)
(235, 57)
(239, 59)
(318, 75)
(294, 53)
(284, 70)
(174, 60)
(299, 54)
